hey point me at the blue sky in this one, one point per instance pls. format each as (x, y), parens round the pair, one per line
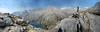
(19, 5)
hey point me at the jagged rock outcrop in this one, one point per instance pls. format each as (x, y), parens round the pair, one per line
(12, 23)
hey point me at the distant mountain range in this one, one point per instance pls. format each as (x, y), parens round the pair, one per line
(33, 15)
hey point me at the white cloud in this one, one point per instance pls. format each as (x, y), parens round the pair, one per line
(5, 10)
(74, 8)
(84, 8)
(65, 8)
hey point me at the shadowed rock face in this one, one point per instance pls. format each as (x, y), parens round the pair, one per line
(98, 5)
(97, 8)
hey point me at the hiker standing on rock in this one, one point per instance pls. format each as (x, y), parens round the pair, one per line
(86, 21)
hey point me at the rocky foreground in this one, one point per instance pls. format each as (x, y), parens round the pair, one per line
(11, 23)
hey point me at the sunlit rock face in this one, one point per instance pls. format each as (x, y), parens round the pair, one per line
(69, 25)
(95, 18)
